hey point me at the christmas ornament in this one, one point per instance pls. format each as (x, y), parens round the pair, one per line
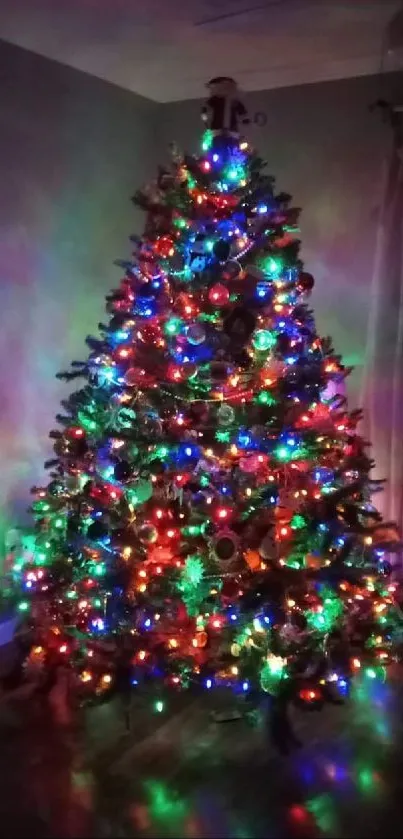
(305, 282)
(225, 414)
(218, 294)
(140, 492)
(56, 488)
(268, 547)
(221, 249)
(147, 534)
(225, 547)
(223, 110)
(196, 334)
(123, 471)
(133, 376)
(231, 270)
(165, 246)
(263, 340)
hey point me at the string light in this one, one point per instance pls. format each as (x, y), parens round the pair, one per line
(203, 465)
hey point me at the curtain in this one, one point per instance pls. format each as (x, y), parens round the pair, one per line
(382, 396)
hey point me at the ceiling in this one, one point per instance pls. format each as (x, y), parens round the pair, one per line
(167, 49)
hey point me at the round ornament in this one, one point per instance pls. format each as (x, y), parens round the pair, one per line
(221, 250)
(231, 270)
(123, 471)
(196, 334)
(147, 534)
(133, 376)
(225, 414)
(140, 492)
(268, 547)
(305, 282)
(218, 295)
(225, 547)
(263, 340)
(56, 488)
(165, 246)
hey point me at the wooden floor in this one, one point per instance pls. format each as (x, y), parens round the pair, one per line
(181, 774)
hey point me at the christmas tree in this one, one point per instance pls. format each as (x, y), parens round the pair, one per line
(210, 498)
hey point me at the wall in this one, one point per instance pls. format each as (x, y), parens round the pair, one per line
(324, 146)
(72, 151)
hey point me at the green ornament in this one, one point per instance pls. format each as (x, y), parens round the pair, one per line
(263, 340)
(225, 414)
(140, 492)
(272, 673)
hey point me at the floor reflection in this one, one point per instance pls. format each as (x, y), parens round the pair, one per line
(196, 778)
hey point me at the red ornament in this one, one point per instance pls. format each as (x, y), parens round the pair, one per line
(305, 282)
(218, 294)
(175, 373)
(165, 246)
(134, 376)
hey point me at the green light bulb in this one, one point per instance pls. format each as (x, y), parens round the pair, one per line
(161, 452)
(265, 398)
(283, 453)
(207, 140)
(173, 326)
(272, 266)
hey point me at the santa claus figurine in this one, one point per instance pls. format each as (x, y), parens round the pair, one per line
(223, 111)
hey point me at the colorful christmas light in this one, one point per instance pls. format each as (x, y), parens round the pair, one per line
(208, 504)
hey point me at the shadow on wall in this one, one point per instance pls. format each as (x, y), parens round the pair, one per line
(72, 151)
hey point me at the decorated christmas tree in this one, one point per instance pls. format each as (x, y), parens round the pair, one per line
(209, 507)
